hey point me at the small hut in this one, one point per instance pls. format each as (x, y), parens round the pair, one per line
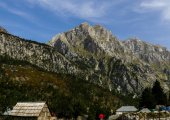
(30, 111)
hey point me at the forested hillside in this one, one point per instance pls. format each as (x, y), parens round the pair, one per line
(66, 95)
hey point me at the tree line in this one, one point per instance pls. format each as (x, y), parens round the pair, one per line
(154, 96)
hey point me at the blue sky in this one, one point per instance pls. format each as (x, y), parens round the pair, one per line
(40, 20)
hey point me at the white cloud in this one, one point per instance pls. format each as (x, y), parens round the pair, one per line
(92, 10)
(163, 6)
(153, 4)
(15, 11)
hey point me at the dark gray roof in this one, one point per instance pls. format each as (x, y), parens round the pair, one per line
(127, 109)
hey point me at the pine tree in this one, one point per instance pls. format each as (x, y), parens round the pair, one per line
(159, 95)
(147, 99)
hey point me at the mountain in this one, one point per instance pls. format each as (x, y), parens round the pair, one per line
(93, 54)
(86, 70)
(128, 66)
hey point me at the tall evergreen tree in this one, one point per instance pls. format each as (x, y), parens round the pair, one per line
(147, 99)
(159, 95)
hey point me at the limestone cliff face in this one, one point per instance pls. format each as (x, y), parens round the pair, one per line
(148, 52)
(37, 54)
(94, 54)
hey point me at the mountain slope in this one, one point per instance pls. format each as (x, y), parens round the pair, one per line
(66, 95)
(92, 53)
(35, 53)
(156, 56)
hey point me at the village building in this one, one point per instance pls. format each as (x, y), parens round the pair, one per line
(126, 109)
(30, 111)
(145, 110)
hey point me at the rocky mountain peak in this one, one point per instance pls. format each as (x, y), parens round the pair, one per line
(3, 29)
(85, 29)
(95, 31)
(98, 39)
(94, 39)
(85, 25)
(81, 32)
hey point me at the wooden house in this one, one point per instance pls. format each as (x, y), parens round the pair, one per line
(30, 111)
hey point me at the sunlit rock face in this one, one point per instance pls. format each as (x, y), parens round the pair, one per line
(148, 52)
(35, 53)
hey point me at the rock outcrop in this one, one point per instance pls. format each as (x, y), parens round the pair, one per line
(148, 52)
(35, 53)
